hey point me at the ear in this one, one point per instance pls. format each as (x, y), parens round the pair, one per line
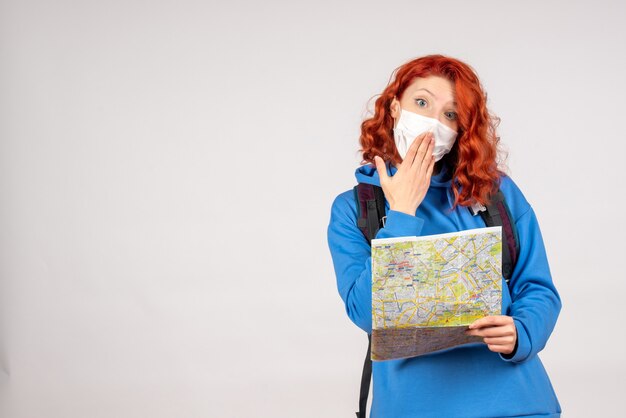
(395, 108)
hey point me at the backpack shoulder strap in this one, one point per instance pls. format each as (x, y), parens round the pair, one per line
(366, 378)
(497, 213)
(370, 201)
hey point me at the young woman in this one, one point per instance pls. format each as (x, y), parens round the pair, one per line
(432, 146)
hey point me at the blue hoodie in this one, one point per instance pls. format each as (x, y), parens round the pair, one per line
(467, 381)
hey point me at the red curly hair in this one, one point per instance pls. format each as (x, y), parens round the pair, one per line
(473, 158)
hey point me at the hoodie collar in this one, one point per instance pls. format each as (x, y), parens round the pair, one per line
(368, 174)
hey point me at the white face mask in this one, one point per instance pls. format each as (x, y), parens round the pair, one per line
(410, 125)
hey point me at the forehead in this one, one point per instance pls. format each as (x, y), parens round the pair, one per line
(441, 88)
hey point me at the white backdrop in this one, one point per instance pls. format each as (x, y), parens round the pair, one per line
(167, 170)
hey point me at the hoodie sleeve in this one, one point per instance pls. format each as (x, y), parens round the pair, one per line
(535, 301)
(351, 254)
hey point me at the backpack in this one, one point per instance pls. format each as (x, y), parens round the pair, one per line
(371, 217)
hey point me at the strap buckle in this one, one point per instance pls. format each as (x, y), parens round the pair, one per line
(476, 208)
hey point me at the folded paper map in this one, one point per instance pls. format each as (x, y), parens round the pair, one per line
(427, 290)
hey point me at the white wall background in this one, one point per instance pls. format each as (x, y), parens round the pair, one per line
(167, 170)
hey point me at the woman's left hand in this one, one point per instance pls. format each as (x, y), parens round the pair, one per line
(498, 332)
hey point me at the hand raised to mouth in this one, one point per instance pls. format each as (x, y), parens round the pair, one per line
(406, 189)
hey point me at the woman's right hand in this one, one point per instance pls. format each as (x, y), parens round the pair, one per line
(406, 190)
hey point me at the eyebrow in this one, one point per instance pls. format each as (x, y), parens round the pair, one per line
(431, 93)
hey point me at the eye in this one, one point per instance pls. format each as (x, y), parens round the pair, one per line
(451, 115)
(421, 102)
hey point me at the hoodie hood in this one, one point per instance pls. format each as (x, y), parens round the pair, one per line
(369, 175)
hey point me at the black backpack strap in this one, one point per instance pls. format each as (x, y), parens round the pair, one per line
(370, 209)
(497, 214)
(370, 218)
(366, 377)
